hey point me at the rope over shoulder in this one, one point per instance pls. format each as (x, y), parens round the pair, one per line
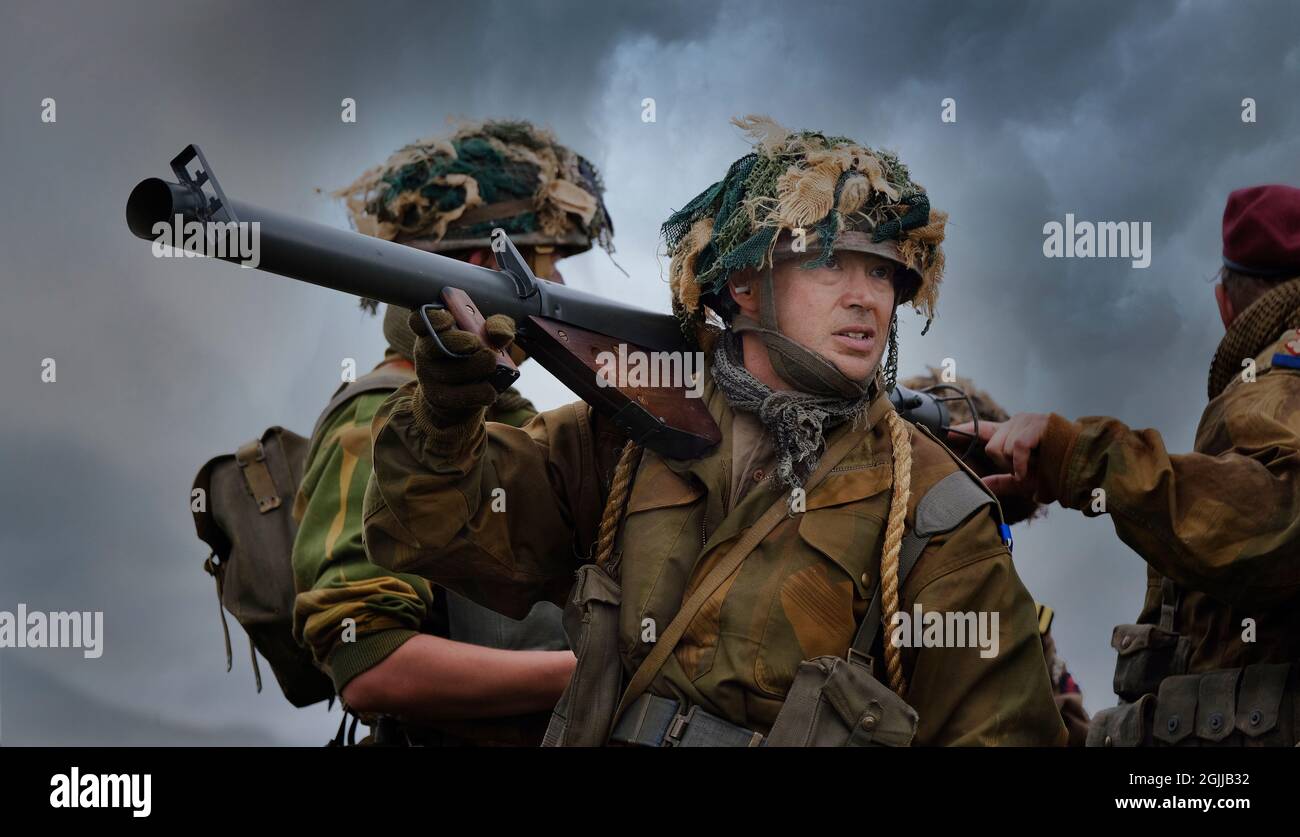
(616, 504)
(900, 436)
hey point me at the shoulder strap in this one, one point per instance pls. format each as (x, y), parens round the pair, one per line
(724, 569)
(947, 505)
(1170, 599)
(389, 376)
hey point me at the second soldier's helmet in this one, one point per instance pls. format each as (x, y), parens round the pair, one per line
(444, 194)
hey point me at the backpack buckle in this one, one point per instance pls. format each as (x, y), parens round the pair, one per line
(251, 458)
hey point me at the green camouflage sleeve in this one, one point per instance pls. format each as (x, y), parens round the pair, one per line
(334, 578)
(493, 515)
(1227, 522)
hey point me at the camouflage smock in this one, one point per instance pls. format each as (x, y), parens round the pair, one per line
(334, 578)
(1222, 522)
(429, 511)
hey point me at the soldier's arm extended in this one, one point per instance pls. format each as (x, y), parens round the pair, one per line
(384, 660)
(1227, 524)
(994, 693)
(490, 511)
(334, 579)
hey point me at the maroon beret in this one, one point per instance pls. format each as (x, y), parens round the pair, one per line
(1261, 231)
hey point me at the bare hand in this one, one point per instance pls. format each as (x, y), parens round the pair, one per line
(1011, 445)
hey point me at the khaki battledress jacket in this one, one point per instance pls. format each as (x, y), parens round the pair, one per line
(504, 515)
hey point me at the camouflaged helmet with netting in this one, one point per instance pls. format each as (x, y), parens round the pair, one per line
(447, 194)
(826, 186)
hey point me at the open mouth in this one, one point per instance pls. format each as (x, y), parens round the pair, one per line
(856, 338)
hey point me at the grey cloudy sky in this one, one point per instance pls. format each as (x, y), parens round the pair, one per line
(1110, 111)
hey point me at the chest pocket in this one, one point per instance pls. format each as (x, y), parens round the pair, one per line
(661, 535)
(826, 562)
(844, 520)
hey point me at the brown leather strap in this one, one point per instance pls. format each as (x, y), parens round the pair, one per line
(216, 567)
(251, 457)
(779, 510)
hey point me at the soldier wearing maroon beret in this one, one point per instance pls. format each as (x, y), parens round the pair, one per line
(1214, 658)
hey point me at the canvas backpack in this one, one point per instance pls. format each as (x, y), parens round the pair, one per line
(243, 510)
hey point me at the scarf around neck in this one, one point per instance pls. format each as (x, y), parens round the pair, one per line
(797, 421)
(1253, 330)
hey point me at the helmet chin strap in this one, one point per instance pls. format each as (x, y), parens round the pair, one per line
(805, 369)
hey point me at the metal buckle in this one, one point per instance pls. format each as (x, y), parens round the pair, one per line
(677, 727)
(856, 656)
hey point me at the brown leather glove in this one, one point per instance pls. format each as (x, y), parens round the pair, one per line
(455, 391)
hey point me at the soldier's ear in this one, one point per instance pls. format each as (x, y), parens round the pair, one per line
(744, 291)
(1226, 311)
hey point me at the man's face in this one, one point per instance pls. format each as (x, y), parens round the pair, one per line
(841, 311)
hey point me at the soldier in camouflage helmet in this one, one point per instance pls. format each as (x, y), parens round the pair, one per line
(755, 569)
(1068, 695)
(454, 671)
(1213, 658)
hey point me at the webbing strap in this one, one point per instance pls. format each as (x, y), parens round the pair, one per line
(392, 375)
(653, 721)
(1169, 600)
(725, 568)
(251, 458)
(947, 504)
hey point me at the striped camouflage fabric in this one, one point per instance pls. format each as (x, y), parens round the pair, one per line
(334, 578)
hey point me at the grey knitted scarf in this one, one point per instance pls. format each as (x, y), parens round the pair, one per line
(797, 421)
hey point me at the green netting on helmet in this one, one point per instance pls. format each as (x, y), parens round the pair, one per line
(424, 189)
(800, 180)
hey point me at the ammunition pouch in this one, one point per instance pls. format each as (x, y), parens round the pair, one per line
(1162, 705)
(1147, 655)
(582, 717)
(1255, 706)
(836, 702)
(1126, 725)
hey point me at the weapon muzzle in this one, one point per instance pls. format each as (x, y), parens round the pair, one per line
(154, 200)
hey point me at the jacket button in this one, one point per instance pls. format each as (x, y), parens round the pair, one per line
(869, 723)
(1255, 718)
(758, 475)
(1216, 721)
(866, 580)
(1173, 723)
(1125, 642)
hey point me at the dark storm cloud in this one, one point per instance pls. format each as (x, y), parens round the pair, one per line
(161, 364)
(1112, 111)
